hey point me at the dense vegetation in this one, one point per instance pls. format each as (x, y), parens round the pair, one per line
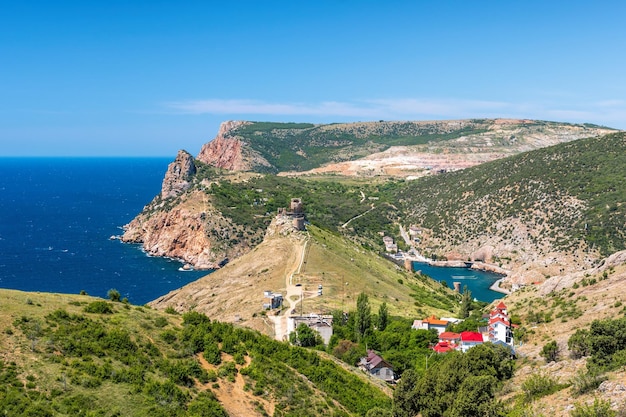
(564, 194)
(328, 204)
(460, 384)
(301, 146)
(126, 360)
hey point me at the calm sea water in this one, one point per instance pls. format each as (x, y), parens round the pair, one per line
(478, 282)
(56, 217)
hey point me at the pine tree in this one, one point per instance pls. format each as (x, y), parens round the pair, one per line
(466, 303)
(383, 317)
(363, 320)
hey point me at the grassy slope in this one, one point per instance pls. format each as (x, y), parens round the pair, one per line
(345, 270)
(137, 361)
(571, 192)
(236, 291)
(300, 147)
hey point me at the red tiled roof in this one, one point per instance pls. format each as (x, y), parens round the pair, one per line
(501, 306)
(498, 320)
(442, 347)
(449, 336)
(435, 321)
(471, 337)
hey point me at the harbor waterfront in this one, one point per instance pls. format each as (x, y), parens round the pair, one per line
(482, 284)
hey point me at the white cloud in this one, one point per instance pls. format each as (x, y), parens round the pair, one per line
(610, 112)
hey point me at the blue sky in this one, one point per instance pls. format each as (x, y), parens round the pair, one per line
(146, 78)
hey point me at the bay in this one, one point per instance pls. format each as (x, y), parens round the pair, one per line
(478, 282)
(56, 217)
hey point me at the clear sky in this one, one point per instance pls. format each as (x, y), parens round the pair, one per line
(146, 78)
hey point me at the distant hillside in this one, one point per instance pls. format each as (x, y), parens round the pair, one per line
(553, 209)
(391, 148)
(72, 355)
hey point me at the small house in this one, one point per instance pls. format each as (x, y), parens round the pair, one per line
(470, 339)
(376, 366)
(431, 323)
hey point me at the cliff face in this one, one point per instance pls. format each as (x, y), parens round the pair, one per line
(181, 223)
(228, 151)
(178, 176)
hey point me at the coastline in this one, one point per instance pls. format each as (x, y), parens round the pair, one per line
(496, 287)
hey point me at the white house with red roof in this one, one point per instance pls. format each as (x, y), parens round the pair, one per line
(469, 340)
(500, 329)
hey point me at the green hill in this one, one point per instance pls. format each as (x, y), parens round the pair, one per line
(567, 197)
(71, 355)
(303, 146)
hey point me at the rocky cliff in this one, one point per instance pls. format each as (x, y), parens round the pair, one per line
(178, 176)
(181, 222)
(229, 151)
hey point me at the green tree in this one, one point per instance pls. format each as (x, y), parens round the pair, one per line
(113, 294)
(383, 317)
(550, 351)
(305, 336)
(363, 321)
(466, 303)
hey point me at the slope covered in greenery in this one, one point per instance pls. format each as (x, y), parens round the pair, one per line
(303, 146)
(68, 355)
(566, 195)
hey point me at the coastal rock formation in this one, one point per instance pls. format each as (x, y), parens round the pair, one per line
(228, 151)
(178, 176)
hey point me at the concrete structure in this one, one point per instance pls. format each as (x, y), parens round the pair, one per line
(298, 223)
(276, 300)
(296, 205)
(323, 324)
(376, 366)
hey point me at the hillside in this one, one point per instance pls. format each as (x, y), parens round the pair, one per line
(539, 214)
(295, 263)
(381, 148)
(555, 311)
(69, 355)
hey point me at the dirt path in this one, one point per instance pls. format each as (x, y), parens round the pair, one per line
(293, 290)
(234, 398)
(357, 216)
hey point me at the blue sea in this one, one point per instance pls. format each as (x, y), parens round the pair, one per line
(478, 282)
(56, 217)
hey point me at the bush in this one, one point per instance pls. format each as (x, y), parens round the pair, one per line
(599, 408)
(550, 351)
(584, 382)
(114, 295)
(539, 385)
(99, 307)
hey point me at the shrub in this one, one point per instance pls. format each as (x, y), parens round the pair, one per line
(99, 307)
(539, 385)
(550, 351)
(584, 382)
(599, 408)
(113, 295)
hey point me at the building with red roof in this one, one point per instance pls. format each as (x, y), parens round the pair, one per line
(450, 337)
(443, 347)
(431, 322)
(500, 329)
(470, 339)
